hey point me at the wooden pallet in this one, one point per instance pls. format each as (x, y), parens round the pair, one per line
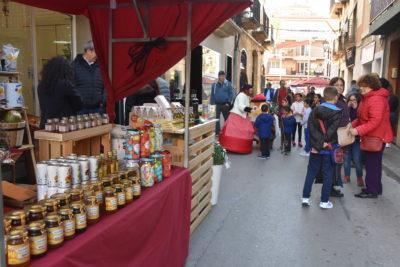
(91, 141)
(201, 148)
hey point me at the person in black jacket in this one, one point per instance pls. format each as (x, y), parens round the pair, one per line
(57, 96)
(88, 80)
(323, 123)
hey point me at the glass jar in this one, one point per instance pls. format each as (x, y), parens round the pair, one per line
(55, 231)
(21, 214)
(105, 119)
(36, 213)
(132, 170)
(121, 200)
(37, 239)
(137, 188)
(92, 209)
(15, 221)
(128, 190)
(50, 205)
(63, 126)
(114, 178)
(87, 121)
(80, 124)
(56, 122)
(49, 126)
(17, 249)
(110, 163)
(79, 212)
(158, 172)
(166, 163)
(62, 199)
(93, 121)
(107, 182)
(99, 194)
(87, 190)
(72, 125)
(122, 175)
(7, 225)
(147, 172)
(115, 160)
(110, 200)
(99, 119)
(68, 221)
(76, 195)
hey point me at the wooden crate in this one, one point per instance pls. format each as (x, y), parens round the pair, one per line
(201, 148)
(91, 141)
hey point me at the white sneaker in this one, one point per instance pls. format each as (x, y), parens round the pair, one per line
(388, 145)
(326, 205)
(305, 202)
(304, 154)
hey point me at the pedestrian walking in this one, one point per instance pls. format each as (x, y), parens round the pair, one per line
(298, 112)
(288, 126)
(393, 105)
(307, 111)
(373, 127)
(264, 124)
(323, 124)
(353, 152)
(222, 95)
(281, 93)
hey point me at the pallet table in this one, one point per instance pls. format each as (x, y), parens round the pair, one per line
(91, 141)
(201, 148)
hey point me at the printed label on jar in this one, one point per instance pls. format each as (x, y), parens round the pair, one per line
(111, 203)
(99, 196)
(136, 189)
(69, 228)
(80, 221)
(129, 193)
(121, 198)
(38, 244)
(93, 212)
(18, 254)
(55, 235)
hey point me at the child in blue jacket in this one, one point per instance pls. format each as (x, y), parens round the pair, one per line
(289, 124)
(264, 124)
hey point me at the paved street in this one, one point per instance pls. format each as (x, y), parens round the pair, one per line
(259, 221)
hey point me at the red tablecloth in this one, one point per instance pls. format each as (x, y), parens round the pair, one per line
(152, 231)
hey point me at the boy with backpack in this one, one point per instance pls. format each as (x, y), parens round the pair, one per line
(323, 124)
(264, 124)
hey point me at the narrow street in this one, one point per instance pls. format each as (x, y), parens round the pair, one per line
(259, 220)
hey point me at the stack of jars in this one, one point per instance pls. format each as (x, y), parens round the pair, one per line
(76, 123)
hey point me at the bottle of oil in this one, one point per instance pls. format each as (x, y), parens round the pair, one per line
(105, 166)
(115, 160)
(101, 170)
(110, 163)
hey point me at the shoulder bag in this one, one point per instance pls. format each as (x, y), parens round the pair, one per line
(345, 138)
(371, 144)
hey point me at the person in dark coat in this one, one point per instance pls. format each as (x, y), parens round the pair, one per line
(57, 95)
(393, 104)
(88, 80)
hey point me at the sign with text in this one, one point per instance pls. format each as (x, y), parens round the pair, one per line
(350, 56)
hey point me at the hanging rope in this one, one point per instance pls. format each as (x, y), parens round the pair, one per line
(139, 53)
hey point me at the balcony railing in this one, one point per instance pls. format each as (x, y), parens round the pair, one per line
(379, 6)
(261, 33)
(336, 8)
(250, 19)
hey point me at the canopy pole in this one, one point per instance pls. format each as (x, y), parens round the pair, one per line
(110, 44)
(140, 17)
(187, 82)
(3, 253)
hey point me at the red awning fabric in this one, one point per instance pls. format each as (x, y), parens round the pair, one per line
(297, 83)
(316, 81)
(166, 18)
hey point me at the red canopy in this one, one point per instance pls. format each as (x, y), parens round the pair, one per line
(162, 18)
(315, 81)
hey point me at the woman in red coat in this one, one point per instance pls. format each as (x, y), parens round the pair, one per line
(373, 126)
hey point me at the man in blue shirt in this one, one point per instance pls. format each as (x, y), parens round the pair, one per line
(269, 93)
(222, 95)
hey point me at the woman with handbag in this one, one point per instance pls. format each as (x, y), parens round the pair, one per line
(353, 152)
(373, 127)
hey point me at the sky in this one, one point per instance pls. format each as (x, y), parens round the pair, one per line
(318, 6)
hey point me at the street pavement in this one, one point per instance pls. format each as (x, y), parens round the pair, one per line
(259, 220)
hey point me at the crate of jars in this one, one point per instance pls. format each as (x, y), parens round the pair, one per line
(83, 134)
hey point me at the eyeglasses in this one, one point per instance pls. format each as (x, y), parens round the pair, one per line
(353, 100)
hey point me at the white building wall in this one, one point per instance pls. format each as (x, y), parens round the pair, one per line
(224, 46)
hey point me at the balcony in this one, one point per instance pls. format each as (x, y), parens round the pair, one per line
(228, 28)
(250, 18)
(336, 8)
(378, 7)
(385, 16)
(261, 33)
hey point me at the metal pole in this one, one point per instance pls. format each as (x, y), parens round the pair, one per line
(187, 81)
(110, 45)
(3, 253)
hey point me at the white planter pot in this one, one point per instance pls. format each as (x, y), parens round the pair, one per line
(216, 179)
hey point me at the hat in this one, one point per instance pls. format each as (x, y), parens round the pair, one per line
(221, 72)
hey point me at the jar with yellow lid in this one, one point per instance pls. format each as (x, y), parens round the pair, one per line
(68, 221)
(120, 192)
(128, 190)
(137, 188)
(107, 182)
(62, 199)
(55, 231)
(18, 254)
(98, 193)
(76, 195)
(21, 214)
(15, 220)
(110, 200)
(92, 209)
(36, 213)
(50, 205)
(37, 239)
(78, 209)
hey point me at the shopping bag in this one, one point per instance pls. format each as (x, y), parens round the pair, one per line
(345, 138)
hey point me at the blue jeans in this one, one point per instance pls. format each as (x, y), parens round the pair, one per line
(353, 152)
(307, 147)
(337, 181)
(314, 164)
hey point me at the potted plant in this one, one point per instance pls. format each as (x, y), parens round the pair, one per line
(220, 158)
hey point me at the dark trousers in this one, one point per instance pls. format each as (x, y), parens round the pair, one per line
(314, 164)
(373, 169)
(288, 144)
(307, 147)
(224, 109)
(265, 146)
(299, 129)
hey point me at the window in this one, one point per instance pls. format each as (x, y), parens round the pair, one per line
(302, 67)
(303, 50)
(274, 65)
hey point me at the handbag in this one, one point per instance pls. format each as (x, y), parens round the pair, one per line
(345, 138)
(371, 144)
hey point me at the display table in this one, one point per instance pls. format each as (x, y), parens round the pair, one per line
(152, 231)
(201, 148)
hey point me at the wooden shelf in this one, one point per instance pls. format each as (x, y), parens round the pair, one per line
(9, 73)
(75, 135)
(193, 128)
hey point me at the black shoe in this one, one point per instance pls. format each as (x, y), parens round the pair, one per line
(364, 194)
(336, 193)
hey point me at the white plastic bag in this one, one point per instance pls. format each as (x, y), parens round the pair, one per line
(10, 55)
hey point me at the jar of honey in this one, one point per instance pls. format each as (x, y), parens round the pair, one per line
(21, 214)
(15, 221)
(137, 188)
(62, 199)
(122, 175)
(36, 214)
(78, 209)
(55, 231)
(132, 170)
(17, 249)
(50, 205)
(37, 239)
(128, 190)
(92, 209)
(121, 200)
(87, 190)
(110, 200)
(76, 195)
(7, 225)
(99, 194)
(107, 182)
(68, 220)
